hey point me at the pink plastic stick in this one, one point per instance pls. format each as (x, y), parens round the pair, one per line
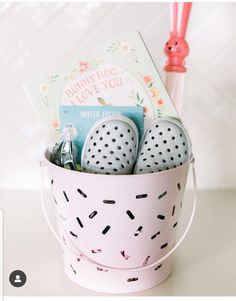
(173, 20)
(184, 20)
(176, 49)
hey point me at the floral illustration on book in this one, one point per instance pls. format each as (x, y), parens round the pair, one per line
(45, 88)
(103, 102)
(158, 103)
(81, 68)
(124, 48)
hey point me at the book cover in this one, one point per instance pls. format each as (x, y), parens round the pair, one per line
(120, 72)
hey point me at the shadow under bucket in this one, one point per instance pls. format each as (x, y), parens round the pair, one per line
(117, 231)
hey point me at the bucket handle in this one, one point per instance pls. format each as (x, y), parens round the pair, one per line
(85, 257)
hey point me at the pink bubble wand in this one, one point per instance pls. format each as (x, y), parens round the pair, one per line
(176, 49)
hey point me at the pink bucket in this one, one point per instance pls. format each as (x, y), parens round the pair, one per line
(118, 232)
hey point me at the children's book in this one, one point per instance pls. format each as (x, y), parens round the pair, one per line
(120, 72)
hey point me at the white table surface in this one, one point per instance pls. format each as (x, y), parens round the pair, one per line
(205, 264)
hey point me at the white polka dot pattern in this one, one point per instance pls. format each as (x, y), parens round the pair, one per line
(165, 145)
(111, 146)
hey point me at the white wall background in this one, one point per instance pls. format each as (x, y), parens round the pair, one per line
(36, 37)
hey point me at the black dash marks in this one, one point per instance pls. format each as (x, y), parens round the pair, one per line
(55, 200)
(161, 216)
(106, 229)
(79, 222)
(63, 218)
(175, 224)
(130, 214)
(164, 246)
(84, 195)
(65, 195)
(126, 256)
(141, 196)
(155, 235)
(138, 231)
(109, 202)
(132, 279)
(158, 267)
(92, 214)
(73, 234)
(146, 260)
(96, 250)
(162, 195)
(73, 269)
(179, 186)
(173, 210)
(101, 269)
(52, 181)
